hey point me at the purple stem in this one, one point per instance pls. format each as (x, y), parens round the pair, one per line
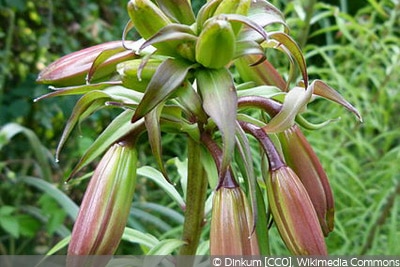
(228, 180)
(270, 106)
(274, 158)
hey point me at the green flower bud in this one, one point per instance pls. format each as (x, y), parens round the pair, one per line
(294, 213)
(240, 7)
(135, 76)
(147, 17)
(232, 224)
(72, 69)
(300, 156)
(106, 204)
(216, 46)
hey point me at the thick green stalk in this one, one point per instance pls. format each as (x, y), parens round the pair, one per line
(195, 199)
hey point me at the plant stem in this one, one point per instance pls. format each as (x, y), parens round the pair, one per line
(195, 199)
(309, 9)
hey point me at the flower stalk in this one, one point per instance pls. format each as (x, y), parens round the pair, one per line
(195, 199)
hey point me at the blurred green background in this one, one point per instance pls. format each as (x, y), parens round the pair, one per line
(351, 45)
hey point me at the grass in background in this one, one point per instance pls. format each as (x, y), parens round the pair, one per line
(361, 58)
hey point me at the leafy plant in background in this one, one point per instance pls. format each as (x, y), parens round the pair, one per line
(209, 78)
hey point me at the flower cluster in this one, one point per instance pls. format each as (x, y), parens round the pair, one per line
(203, 76)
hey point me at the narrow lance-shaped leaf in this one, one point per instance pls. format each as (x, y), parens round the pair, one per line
(177, 37)
(264, 13)
(179, 10)
(168, 77)
(76, 90)
(243, 145)
(294, 50)
(220, 103)
(152, 121)
(322, 89)
(83, 104)
(118, 128)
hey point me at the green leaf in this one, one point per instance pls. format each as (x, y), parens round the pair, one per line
(262, 220)
(159, 179)
(165, 247)
(322, 89)
(178, 10)
(28, 225)
(168, 77)
(77, 90)
(170, 33)
(294, 50)
(11, 129)
(220, 103)
(135, 236)
(119, 127)
(10, 224)
(152, 121)
(90, 101)
(264, 13)
(59, 196)
(57, 247)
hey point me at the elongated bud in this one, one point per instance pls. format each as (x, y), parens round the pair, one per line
(294, 213)
(302, 159)
(72, 69)
(215, 47)
(240, 7)
(262, 74)
(106, 204)
(232, 224)
(134, 75)
(147, 17)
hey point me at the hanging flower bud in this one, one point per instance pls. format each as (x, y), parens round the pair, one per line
(300, 156)
(105, 207)
(232, 224)
(73, 68)
(294, 213)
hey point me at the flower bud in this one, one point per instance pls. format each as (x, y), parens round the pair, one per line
(216, 46)
(294, 214)
(240, 7)
(72, 69)
(106, 204)
(300, 156)
(231, 224)
(147, 17)
(135, 76)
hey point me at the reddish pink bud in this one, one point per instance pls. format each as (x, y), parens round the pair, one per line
(300, 156)
(73, 68)
(294, 214)
(105, 207)
(232, 224)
